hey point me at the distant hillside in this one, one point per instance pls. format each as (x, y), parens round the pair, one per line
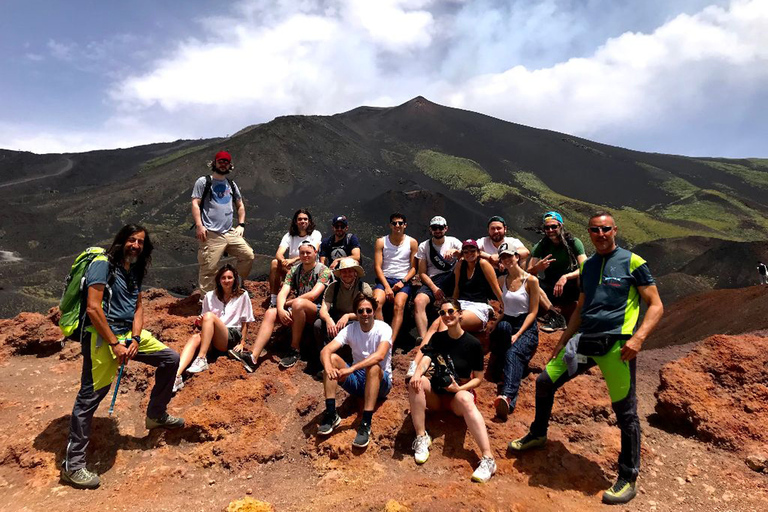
(419, 157)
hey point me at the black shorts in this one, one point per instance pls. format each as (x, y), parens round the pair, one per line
(444, 281)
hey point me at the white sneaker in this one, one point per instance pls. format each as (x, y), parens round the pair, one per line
(178, 384)
(421, 448)
(198, 365)
(485, 470)
(411, 370)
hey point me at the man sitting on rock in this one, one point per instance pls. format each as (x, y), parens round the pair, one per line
(337, 309)
(612, 283)
(497, 235)
(341, 244)
(369, 377)
(307, 279)
(114, 335)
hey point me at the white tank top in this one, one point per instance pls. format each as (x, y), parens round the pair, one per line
(515, 303)
(396, 259)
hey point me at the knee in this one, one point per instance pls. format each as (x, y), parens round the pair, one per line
(273, 266)
(466, 401)
(208, 317)
(398, 307)
(421, 301)
(373, 372)
(173, 358)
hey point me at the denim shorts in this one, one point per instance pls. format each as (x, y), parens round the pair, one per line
(354, 384)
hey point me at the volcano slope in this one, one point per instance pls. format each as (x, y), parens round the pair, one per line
(254, 435)
(420, 158)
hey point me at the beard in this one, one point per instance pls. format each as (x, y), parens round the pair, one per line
(438, 237)
(131, 259)
(224, 171)
(497, 237)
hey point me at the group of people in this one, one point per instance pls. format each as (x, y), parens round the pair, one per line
(318, 283)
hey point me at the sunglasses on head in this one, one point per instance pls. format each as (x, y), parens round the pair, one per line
(436, 227)
(444, 312)
(398, 223)
(367, 311)
(600, 229)
(551, 227)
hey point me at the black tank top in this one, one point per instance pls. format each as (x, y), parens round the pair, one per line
(476, 288)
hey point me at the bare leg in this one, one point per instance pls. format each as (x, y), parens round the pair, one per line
(436, 326)
(275, 269)
(544, 302)
(330, 385)
(420, 304)
(463, 404)
(303, 311)
(212, 330)
(372, 384)
(419, 402)
(381, 297)
(188, 353)
(470, 322)
(265, 332)
(397, 315)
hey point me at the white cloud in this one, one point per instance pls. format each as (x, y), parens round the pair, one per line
(61, 50)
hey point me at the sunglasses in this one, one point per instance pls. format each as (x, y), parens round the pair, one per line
(397, 223)
(222, 161)
(469, 249)
(339, 226)
(366, 311)
(444, 312)
(437, 227)
(552, 227)
(600, 229)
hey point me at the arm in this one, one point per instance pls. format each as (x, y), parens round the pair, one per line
(243, 335)
(315, 293)
(283, 315)
(414, 251)
(99, 321)
(356, 254)
(558, 291)
(325, 359)
(650, 295)
(472, 383)
(421, 369)
(456, 277)
(136, 327)
(200, 231)
(280, 256)
(427, 281)
(240, 211)
(523, 253)
(532, 287)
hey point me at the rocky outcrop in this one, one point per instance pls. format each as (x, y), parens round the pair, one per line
(719, 392)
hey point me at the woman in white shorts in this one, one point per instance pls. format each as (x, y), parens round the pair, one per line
(475, 283)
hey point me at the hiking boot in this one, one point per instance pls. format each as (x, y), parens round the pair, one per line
(485, 470)
(621, 492)
(421, 448)
(527, 442)
(164, 421)
(331, 420)
(198, 365)
(248, 362)
(501, 404)
(178, 384)
(80, 478)
(363, 436)
(290, 359)
(410, 372)
(559, 322)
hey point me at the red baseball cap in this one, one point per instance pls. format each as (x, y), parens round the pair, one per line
(222, 155)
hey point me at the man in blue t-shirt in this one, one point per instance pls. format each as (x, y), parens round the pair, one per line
(341, 244)
(601, 332)
(213, 208)
(114, 335)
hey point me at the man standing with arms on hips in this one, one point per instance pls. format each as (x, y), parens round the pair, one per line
(602, 332)
(215, 199)
(112, 336)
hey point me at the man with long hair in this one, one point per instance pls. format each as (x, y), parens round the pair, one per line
(302, 228)
(114, 335)
(215, 199)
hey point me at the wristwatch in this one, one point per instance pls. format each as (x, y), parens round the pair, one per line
(242, 224)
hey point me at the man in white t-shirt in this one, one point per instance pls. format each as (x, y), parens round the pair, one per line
(497, 235)
(369, 377)
(302, 228)
(436, 256)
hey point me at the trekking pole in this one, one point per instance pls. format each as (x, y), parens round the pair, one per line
(117, 385)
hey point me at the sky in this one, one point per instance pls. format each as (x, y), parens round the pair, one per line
(671, 76)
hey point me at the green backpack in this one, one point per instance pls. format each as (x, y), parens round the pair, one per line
(73, 300)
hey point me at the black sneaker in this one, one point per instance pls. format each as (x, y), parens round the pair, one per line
(290, 359)
(331, 420)
(248, 362)
(549, 323)
(621, 492)
(363, 436)
(559, 321)
(237, 355)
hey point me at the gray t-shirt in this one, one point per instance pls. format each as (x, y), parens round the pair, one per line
(125, 293)
(217, 211)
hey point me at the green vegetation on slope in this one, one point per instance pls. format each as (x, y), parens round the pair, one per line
(750, 175)
(156, 162)
(668, 182)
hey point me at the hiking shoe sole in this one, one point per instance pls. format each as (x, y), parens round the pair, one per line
(329, 429)
(93, 482)
(502, 408)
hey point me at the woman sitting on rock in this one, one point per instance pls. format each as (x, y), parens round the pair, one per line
(227, 309)
(516, 337)
(458, 359)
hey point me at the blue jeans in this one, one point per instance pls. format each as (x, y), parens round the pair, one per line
(515, 356)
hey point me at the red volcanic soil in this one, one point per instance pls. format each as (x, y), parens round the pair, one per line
(253, 435)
